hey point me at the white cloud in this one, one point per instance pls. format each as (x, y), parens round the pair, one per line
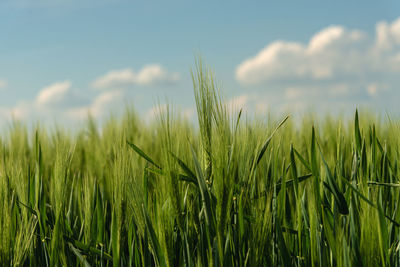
(59, 101)
(373, 89)
(118, 77)
(334, 55)
(148, 75)
(53, 94)
(268, 63)
(153, 74)
(101, 105)
(388, 35)
(48, 103)
(22, 111)
(322, 58)
(331, 38)
(104, 101)
(321, 40)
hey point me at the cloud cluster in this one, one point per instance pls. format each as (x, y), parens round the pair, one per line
(322, 58)
(153, 74)
(336, 67)
(333, 60)
(53, 94)
(62, 100)
(388, 35)
(100, 106)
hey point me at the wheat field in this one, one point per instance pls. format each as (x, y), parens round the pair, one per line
(226, 191)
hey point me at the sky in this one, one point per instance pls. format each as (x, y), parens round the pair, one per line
(61, 60)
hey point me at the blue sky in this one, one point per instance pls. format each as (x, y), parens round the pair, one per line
(62, 59)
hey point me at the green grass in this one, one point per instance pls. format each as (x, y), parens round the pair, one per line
(228, 192)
